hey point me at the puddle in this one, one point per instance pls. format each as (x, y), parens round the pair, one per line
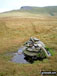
(19, 57)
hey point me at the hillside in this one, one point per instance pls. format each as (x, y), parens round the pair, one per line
(51, 10)
(28, 11)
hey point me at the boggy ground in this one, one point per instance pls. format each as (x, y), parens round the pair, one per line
(14, 31)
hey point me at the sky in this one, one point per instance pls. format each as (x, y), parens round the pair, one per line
(7, 5)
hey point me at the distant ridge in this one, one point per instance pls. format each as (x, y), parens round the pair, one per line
(51, 10)
(26, 8)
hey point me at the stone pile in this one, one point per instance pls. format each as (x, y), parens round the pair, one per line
(35, 48)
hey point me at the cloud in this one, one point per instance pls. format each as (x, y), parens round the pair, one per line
(40, 2)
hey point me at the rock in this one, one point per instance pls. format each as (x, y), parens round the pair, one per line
(35, 47)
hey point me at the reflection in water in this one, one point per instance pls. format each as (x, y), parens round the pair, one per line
(19, 57)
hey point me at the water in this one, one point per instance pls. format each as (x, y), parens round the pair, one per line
(19, 57)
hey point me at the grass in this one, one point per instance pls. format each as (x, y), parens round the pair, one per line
(14, 31)
(51, 51)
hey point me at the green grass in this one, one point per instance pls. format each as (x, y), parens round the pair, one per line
(51, 51)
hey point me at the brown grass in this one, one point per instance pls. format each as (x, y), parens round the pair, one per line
(14, 31)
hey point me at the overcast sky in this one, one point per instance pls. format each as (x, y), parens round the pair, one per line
(6, 5)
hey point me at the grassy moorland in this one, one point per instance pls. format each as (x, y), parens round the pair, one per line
(15, 29)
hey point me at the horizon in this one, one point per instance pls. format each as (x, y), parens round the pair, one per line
(27, 6)
(9, 5)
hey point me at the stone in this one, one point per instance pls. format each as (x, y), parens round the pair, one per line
(35, 47)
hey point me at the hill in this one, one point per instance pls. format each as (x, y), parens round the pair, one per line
(28, 11)
(51, 10)
(34, 11)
